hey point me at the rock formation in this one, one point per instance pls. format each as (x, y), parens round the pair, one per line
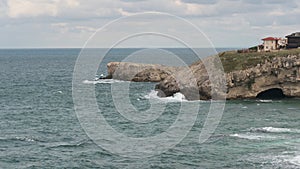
(205, 79)
(139, 72)
(278, 73)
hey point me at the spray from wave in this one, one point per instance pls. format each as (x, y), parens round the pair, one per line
(250, 136)
(102, 81)
(294, 160)
(177, 97)
(274, 130)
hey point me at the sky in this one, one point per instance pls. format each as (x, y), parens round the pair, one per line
(70, 23)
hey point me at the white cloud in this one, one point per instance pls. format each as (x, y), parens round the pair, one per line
(2, 9)
(71, 3)
(64, 28)
(76, 9)
(124, 13)
(107, 8)
(34, 8)
(26, 8)
(194, 8)
(225, 21)
(60, 27)
(277, 13)
(85, 28)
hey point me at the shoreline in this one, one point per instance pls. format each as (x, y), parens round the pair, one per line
(247, 75)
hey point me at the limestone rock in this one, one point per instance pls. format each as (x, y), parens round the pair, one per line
(279, 73)
(139, 72)
(205, 79)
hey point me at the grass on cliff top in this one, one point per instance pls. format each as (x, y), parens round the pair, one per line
(232, 60)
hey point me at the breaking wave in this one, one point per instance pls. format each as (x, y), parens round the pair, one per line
(274, 130)
(177, 97)
(19, 138)
(102, 81)
(294, 160)
(250, 136)
(265, 101)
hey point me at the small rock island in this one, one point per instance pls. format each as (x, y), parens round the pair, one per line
(263, 75)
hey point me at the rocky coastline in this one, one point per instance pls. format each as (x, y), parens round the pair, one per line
(269, 76)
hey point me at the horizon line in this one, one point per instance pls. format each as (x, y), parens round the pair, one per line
(20, 48)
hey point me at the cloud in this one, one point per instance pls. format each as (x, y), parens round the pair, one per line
(3, 8)
(34, 8)
(176, 7)
(25, 8)
(201, 1)
(86, 9)
(224, 20)
(64, 28)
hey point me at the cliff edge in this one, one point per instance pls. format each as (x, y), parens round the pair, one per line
(246, 75)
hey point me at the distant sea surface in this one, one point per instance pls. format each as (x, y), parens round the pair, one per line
(39, 127)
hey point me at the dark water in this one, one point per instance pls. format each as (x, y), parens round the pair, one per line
(39, 127)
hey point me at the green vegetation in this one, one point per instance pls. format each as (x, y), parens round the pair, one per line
(233, 60)
(250, 83)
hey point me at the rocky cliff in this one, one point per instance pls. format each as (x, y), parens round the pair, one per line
(282, 73)
(253, 76)
(139, 72)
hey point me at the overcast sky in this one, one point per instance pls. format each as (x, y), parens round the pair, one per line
(69, 23)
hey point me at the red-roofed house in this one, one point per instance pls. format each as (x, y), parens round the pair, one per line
(270, 43)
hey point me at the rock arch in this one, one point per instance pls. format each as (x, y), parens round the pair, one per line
(273, 93)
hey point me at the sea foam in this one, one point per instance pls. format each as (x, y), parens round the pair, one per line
(275, 130)
(249, 136)
(102, 81)
(295, 160)
(177, 97)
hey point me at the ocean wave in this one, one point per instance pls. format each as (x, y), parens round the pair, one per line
(177, 97)
(265, 101)
(68, 144)
(102, 81)
(284, 160)
(290, 159)
(26, 139)
(249, 136)
(20, 138)
(274, 130)
(294, 160)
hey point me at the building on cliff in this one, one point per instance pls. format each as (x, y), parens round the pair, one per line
(293, 40)
(272, 43)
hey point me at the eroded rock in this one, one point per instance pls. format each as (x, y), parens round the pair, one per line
(205, 79)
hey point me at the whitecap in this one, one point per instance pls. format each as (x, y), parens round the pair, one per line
(295, 160)
(102, 81)
(275, 130)
(265, 101)
(287, 157)
(25, 139)
(249, 136)
(177, 97)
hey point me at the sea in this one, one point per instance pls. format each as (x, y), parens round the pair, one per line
(40, 126)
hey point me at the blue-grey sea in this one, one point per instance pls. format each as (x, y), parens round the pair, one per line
(39, 127)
